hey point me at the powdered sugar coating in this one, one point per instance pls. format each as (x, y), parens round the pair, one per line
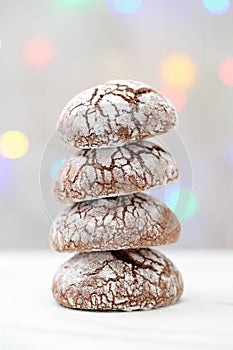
(131, 221)
(117, 280)
(115, 113)
(105, 172)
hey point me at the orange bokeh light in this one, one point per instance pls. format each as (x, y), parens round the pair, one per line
(179, 71)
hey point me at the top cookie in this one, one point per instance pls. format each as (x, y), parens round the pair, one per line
(115, 113)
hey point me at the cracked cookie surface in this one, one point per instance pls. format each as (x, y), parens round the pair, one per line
(115, 113)
(117, 280)
(107, 172)
(131, 221)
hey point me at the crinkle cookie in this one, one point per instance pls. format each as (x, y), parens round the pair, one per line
(132, 221)
(107, 172)
(117, 280)
(115, 113)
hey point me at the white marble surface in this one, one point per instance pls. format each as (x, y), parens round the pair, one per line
(31, 319)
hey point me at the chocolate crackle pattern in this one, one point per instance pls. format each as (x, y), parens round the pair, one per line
(115, 113)
(117, 280)
(131, 221)
(111, 223)
(105, 172)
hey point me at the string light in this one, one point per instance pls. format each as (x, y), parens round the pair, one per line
(127, 6)
(178, 71)
(13, 144)
(217, 7)
(226, 71)
(56, 167)
(176, 96)
(38, 52)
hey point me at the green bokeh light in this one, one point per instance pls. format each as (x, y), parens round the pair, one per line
(76, 3)
(182, 202)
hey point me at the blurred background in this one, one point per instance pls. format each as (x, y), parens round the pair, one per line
(52, 49)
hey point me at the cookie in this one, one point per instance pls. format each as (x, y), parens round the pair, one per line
(115, 113)
(132, 221)
(124, 280)
(105, 172)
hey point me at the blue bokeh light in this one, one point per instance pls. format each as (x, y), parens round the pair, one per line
(4, 171)
(56, 167)
(217, 7)
(127, 6)
(172, 195)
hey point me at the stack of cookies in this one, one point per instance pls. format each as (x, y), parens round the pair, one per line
(111, 223)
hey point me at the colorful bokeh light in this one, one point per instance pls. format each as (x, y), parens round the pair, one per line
(182, 202)
(56, 167)
(179, 71)
(13, 144)
(217, 7)
(76, 3)
(172, 195)
(4, 171)
(127, 6)
(38, 52)
(176, 96)
(192, 207)
(226, 71)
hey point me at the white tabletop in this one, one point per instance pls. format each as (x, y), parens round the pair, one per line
(31, 319)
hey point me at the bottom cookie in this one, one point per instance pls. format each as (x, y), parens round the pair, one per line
(122, 280)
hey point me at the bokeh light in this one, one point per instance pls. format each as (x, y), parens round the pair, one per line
(176, 96)
(226, 71)
(56, 167)
(127, 6)
(178, 70)
(182, 202)
(217, 7)
(4, 171)
(13, 144)
(75, 3)
(38, 52)
(172, 195)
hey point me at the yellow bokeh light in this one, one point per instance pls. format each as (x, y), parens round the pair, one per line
(179, 71)
(13, 144)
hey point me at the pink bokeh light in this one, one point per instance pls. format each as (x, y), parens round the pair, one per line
(38, 52)
(178, 97)
(226, 71)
